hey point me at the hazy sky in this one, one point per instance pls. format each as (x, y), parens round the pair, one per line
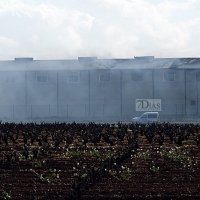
(67, 29)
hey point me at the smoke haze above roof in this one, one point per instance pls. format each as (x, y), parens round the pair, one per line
(104, 28)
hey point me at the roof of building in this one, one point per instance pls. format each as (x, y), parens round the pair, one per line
(92, 63)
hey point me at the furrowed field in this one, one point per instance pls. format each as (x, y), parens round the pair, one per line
(99, 161)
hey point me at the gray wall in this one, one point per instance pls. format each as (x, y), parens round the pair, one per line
(12, 90)
(192, 92)
(172, 93)
(25, 97)
(39, 95)
(132, 90)
(73, 98)
(105, 97)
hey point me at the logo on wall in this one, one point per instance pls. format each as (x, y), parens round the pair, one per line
(148, 104)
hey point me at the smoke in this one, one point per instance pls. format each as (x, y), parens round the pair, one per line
(114, 29)
(90, 88)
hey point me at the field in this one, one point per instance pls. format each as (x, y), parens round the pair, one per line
(99, 161)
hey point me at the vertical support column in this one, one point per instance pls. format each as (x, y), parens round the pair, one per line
(121, 93)
(89, 101)
(26, 93)
(49, 110)
(13, 111)
(152, 83)
(197, 88)
(57, 94)
(185, 93)
(85, 110)
(31, 111)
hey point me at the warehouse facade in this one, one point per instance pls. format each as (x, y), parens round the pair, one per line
(98, 88)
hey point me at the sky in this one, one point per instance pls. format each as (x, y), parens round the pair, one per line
(68, 29)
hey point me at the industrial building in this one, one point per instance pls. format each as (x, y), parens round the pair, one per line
(92, 88)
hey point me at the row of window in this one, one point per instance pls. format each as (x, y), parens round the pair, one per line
(102, 78)
(44, 79)
(71, 79)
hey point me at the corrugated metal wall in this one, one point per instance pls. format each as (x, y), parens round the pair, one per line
(22, 96)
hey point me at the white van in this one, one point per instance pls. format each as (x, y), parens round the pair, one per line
(147, 117)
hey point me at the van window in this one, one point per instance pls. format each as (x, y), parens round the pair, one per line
(152, 116)
(143, 116)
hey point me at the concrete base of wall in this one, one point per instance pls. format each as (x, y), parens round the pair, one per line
(173, 119)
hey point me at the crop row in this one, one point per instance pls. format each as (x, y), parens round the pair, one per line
(66, 161)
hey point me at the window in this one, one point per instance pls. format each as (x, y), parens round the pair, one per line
(137, 76)
(104, 78)
(144, 116)
(152, 116)
(73, 78)
(198, 77)
(41, 79)
(193, 102)
(10, 79)
(168, 76)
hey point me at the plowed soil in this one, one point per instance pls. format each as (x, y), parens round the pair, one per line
(149, 173)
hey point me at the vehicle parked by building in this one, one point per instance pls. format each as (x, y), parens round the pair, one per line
(147, 117)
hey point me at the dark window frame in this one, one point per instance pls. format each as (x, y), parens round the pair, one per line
(41, 78)
(137, 76)
(198, 77)
(73, 78)
(168, 77)
(10, 79)
(193, 102)
(104, 78)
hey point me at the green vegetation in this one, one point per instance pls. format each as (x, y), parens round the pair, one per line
(6, 195)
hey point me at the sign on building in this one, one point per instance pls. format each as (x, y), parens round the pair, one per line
(148, 104)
